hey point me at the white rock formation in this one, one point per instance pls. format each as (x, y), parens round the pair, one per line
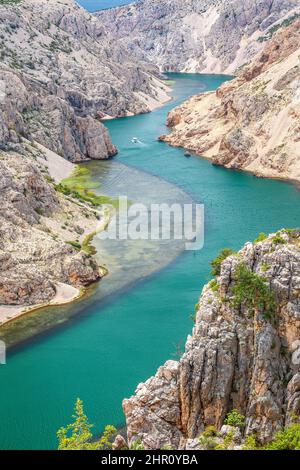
(213, 36)
(240, 356)
(252, 122)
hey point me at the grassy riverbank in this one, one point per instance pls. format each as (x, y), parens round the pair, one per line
(80, 186)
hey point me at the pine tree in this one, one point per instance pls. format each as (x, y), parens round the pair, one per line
(78, 435)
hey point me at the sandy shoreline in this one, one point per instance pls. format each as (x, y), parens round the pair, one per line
(64, 295)
(58, 169)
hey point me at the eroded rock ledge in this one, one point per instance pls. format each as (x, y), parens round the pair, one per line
(208, 36)
(252, 122)
(37, 225)
(237, 358)
(61, 73)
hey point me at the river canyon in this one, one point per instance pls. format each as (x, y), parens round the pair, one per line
(100, 348)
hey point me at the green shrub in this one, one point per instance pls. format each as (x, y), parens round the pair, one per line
(214, 285)
(207, 438)
(210, 431)
(74, 245)
(261, 237)
(250, 443)
(208, 443)
(87, 244)
(287, 439)
(278, 240)
(251, 289)
(216, 263)
(234, 418)
(227, 442)
(137, 445)
(78, 435)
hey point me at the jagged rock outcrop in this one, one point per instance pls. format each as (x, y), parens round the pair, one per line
(35, 223)
(62, 73)
(239, 357)
(28, 110)
(211, 36)
(252, 122)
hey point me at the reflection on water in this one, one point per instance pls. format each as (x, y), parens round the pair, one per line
(128, 261)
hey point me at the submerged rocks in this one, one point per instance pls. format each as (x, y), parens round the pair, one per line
(239, 357)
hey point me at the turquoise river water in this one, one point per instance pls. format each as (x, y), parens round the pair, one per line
(99, 349)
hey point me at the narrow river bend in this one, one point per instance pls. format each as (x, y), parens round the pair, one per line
(116, 341)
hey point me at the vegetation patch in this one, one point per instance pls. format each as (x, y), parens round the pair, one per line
(291, 231)
(57, 46)
(284, 24)
(80, 186)
(252, 290)
(9, 2)
(278, 240)
(227, 442)
(78, 435)
(216, 263)
(193, 316)
(250, 443)
(87, 244)
(207, 439)
(287, 439)
(234, 418)
(214, 285)
(261, 237)
(75, 245)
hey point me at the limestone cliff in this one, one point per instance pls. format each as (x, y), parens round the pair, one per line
(61, 72)
(210, 36)
(252, 122)
(243, 354)
(37, 226)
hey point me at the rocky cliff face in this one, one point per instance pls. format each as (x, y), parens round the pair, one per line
(252, 122)
(35, 224)
(62, 73)
(211, 36)
(28, 109)
(242, 355)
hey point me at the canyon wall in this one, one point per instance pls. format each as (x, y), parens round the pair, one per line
(252, 122)
(37, 226)
(243, 355)
(63, 73)
(210, 36)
